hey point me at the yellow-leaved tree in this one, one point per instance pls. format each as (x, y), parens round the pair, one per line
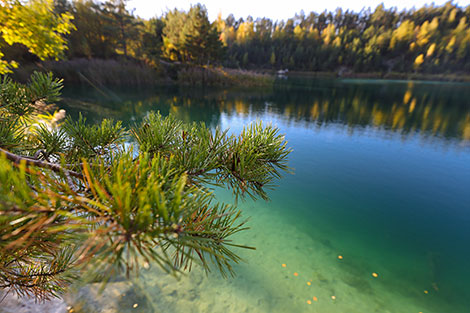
(35, 25)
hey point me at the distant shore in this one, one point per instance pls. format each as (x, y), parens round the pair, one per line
(132, 73)
(379, 75)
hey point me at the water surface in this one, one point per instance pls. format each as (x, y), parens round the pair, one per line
(382, 178)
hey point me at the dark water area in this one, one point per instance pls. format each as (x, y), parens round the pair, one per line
(381, 177)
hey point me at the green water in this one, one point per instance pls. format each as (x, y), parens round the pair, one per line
(382, 178)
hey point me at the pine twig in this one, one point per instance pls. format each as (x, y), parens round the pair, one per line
(38, 154)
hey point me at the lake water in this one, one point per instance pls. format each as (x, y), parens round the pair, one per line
(381, 178)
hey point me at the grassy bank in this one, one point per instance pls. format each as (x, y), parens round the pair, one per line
(209, 76)
(131, 73)
(96, 72)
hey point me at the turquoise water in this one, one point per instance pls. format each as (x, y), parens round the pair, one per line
(381, 178)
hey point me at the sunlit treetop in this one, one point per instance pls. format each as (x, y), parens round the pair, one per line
(34, 25)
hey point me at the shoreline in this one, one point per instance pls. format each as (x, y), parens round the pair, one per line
(134, 73)
(457, 78)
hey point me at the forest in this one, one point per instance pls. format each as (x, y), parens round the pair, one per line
(429, 40)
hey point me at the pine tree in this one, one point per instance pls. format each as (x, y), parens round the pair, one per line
(190, 37)
(122, 23)
(75, 197)
(202, 39)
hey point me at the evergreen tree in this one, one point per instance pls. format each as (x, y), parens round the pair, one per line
(96, 35)
(190, 37)
(75, 197)
(124, 24)
(202, 39)
(151, 41)
(173, 36)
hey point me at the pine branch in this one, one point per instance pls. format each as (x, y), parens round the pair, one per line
(38, 163)
(149, 202)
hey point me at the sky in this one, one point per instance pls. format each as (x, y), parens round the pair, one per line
(273, 9)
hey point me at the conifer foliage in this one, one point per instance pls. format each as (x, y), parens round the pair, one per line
(190, 37)
(104, 199)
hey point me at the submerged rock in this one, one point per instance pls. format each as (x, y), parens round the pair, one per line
(12, 304)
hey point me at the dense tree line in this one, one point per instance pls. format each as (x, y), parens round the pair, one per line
(109, 30)
(432, 39)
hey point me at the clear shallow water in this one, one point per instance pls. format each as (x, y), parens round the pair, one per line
(382, 178)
